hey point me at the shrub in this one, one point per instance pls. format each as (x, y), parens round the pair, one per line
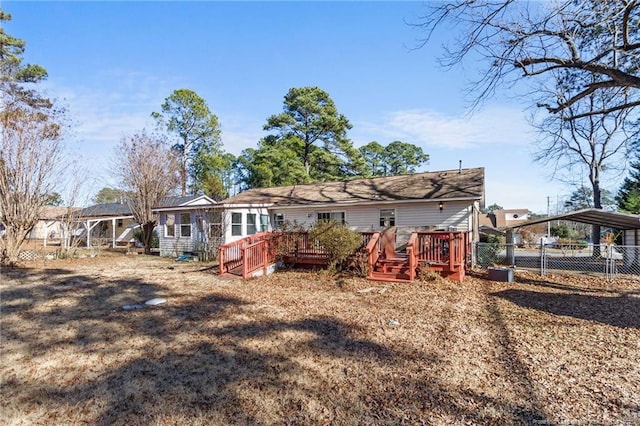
(569, 244)
(337, 240)
(488, 252)
(155, 240)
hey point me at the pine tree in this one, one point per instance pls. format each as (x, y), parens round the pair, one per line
(628, 197)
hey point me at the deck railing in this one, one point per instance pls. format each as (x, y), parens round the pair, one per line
(441, 247)
(412, 255)
(440, 250)
(255, 257)
(230, 255)
(373, 252)
(260, 250)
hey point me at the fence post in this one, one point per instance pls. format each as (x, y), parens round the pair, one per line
(543, 259)
(510, 246)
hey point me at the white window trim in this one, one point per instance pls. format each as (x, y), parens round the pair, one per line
(167, 226)
(334, 212)
(240, 224)
(255, 223)
(261, 225)
(185, 224)
(394, 215)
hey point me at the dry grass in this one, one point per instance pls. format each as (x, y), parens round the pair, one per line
(306, 348)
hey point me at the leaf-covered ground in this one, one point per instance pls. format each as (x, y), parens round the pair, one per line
(307, 348)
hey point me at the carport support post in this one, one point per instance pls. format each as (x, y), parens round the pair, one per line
(511, 250)
(113, 232)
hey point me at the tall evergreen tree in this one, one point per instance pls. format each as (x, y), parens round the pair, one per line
(628, 196)
(397, 158)
(311, 127)
(187, 116)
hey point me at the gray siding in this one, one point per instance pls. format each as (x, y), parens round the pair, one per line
(176, 245)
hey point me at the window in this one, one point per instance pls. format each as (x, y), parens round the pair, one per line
(264, 222)
(185, 225)
(387, 217)
(335, 216)
(251, 223)
(236, 224)
(278, 220)
(119, 223)
(169, 225)
(215, 223)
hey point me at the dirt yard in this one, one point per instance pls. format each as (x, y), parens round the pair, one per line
(305, 348)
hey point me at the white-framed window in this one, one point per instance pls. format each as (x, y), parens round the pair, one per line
(169, 225)
(264, 222)
(185, 225)
(251, 223)
(278, 220)
(338, 217)
(387, 217)
(236, 224)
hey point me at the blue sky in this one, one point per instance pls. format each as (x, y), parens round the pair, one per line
(113, 63)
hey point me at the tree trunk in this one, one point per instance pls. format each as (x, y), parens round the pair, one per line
(147, 235)
(597, 203)
(13, 240)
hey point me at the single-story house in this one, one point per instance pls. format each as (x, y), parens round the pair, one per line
(51, 225)
(441, 200)
(188, 224)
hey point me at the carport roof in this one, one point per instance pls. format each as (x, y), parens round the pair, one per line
(621, 221)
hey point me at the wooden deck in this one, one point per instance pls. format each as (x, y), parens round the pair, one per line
(444, 252)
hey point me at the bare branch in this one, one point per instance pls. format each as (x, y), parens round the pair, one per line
(539, 38)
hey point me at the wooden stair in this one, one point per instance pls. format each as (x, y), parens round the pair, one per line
(393, 269)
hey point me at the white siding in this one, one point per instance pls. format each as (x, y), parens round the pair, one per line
(408, 215)
(244, 212)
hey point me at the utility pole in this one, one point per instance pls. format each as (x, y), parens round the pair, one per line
(548, 216)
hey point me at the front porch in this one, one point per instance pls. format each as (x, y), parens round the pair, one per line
(444, 252)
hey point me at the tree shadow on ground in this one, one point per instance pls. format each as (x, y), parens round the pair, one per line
(210, 359)
(622, 311)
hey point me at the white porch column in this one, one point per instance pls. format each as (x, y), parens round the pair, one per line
(113, 233)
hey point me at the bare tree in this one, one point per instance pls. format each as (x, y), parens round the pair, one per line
(588, 144)
(30, 151)
(148, 170)
(531, 40)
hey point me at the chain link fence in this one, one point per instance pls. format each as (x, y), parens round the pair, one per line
(607, 259)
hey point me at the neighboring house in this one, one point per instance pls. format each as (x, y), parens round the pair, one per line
(51, 225)
(497, 221)
(110, 223)
(443, 200)
(189, 224)
(506, 218)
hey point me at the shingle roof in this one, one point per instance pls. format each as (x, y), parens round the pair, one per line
(176, 201)
(105, 209)
(54, 212)
(122, 209)
(446, 184)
